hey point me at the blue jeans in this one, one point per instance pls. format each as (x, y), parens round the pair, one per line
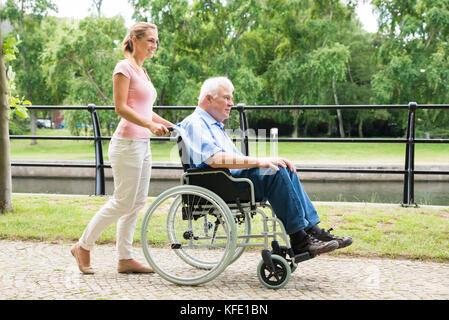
(287, 197)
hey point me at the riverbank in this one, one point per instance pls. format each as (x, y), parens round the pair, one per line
(175, 174)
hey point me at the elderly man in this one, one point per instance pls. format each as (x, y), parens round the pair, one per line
(274, 180)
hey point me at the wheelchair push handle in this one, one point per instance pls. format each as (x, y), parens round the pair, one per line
(177, 135)
(173, 129)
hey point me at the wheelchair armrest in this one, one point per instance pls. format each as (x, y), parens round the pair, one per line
(220, 181)
(205, 170)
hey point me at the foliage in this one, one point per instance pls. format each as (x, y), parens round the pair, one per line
(413, 37)
(276, 52)
(17, 104)
(79, 59)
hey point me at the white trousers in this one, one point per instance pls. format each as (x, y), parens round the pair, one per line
(131, 168)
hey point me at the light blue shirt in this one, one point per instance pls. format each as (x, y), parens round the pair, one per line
(203, 137)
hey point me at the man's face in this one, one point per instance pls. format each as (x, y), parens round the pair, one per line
(220, 107)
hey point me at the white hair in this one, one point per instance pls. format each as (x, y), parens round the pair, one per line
(212, 85)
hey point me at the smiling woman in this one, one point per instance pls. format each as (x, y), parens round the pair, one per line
(129, 151)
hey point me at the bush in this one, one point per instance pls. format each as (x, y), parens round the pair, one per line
(17, 127)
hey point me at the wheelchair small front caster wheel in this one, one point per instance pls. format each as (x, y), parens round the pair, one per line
(277, 278)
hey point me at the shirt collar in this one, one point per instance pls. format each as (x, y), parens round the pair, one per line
(206, 116)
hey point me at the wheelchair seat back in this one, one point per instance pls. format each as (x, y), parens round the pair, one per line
(218, 180)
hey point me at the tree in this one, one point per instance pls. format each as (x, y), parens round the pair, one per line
(199, 39)
(297, 33)
(414, 35)
(78, 63)
(5, 164)
(276, 52)
(26, 16)
(7, 99)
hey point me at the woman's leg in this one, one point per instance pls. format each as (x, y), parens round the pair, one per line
(126, 224)
(126, 161)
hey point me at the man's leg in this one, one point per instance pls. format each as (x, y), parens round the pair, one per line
(290, 203)
(313, 228)
(287, 197)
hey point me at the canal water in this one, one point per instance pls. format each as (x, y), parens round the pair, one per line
(426, 192)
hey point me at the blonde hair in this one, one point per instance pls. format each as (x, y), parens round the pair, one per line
(138, 30)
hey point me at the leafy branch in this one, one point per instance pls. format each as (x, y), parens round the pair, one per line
(17, 105)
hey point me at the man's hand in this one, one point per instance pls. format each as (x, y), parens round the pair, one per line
(274, 163)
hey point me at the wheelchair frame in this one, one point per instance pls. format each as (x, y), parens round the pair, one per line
(276, 265)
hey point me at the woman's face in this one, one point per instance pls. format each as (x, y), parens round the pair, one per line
(146, 46)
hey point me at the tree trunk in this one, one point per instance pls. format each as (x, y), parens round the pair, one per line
(33, 126)
(361, 128)
(217, 25)
(170, 77)
(295, 123)
(97, 4)
(339, 116)
(340, 124)
(27, 84)
(5, 164)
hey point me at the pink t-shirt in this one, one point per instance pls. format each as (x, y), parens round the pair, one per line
(141, 96)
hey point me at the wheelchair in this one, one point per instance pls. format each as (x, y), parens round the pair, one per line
(192, 232)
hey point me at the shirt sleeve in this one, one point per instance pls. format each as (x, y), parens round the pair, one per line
(124, 68)
(199, 144)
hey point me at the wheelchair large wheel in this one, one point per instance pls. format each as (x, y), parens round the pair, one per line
(243, 225)
(274, 279)
(243, 228)
(188, 235)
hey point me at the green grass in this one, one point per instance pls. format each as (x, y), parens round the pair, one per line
(378, 231)
(360, 153)
(343, 153)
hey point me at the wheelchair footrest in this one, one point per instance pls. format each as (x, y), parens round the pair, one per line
(302, 257)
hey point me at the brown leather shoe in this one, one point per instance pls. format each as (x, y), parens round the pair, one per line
(324, 235)
(83, 269)
(315, 246)
(132, 266)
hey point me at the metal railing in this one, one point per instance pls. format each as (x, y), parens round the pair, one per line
(409, 171)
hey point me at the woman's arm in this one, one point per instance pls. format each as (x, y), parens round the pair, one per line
(157, 118)
(121, 87)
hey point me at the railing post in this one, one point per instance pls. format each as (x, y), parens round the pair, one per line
(409, 177)
(244, 128)
(99, 163)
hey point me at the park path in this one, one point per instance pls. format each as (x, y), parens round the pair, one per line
(39, 270)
